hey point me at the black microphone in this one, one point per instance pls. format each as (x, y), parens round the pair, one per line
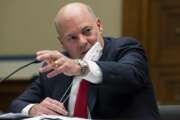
(18, 69)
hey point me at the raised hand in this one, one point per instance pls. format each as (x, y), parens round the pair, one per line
(57, 63)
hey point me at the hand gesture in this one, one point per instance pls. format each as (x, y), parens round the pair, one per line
(57, 63)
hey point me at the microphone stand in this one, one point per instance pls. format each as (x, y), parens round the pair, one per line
(18, 69)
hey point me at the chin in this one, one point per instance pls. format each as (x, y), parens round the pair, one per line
(75, 56)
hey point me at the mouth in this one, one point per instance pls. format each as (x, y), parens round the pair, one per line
(83, 53)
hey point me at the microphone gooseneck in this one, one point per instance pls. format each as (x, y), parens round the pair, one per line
(32, 62)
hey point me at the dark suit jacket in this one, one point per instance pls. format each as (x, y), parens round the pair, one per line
(125, 92)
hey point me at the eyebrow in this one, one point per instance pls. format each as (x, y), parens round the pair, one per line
(72, 34)
(86, 27)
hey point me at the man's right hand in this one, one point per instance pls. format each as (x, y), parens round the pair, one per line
(48, 107)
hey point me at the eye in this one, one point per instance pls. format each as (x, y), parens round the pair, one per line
(71, 38)
(87, 31)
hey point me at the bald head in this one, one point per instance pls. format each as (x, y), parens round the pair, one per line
(73, 10)
(78, 29)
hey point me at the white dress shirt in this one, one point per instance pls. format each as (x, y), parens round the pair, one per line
(94, 76)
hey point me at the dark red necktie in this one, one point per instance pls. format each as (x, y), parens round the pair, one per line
(80, 109)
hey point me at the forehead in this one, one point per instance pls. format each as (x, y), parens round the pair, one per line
(72, 16)
(75, 23)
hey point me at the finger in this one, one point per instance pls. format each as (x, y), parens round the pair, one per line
(56, 106)
(45, 56)
(58, 110)
(56, 71)
(46, 68)
(56, 102)
(42, 52)
(47, 111)
(53, 73)
(41, 109)
(61, 68)
(48, 52)
(59, 62)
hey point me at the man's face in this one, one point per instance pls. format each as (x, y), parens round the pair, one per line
(79, 33)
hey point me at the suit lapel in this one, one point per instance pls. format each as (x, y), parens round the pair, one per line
(92, 96)
(66, 83)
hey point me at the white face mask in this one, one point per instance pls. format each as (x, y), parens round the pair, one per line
(94, 53)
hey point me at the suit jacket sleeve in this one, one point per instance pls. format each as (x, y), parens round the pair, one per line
(33, 94)
(124, 68)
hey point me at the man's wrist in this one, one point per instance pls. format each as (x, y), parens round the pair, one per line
(84, 68)
(26, 110)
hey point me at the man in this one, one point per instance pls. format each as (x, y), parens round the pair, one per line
(96, 77)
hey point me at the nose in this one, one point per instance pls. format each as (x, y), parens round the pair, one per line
(83, 42)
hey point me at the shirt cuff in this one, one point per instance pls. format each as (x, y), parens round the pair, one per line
(95, 73)
(25, 110)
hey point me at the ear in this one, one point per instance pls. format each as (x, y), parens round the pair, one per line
(99, 24)
(62, 44)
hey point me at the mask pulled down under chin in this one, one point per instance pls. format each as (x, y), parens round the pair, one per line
(94, 53)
